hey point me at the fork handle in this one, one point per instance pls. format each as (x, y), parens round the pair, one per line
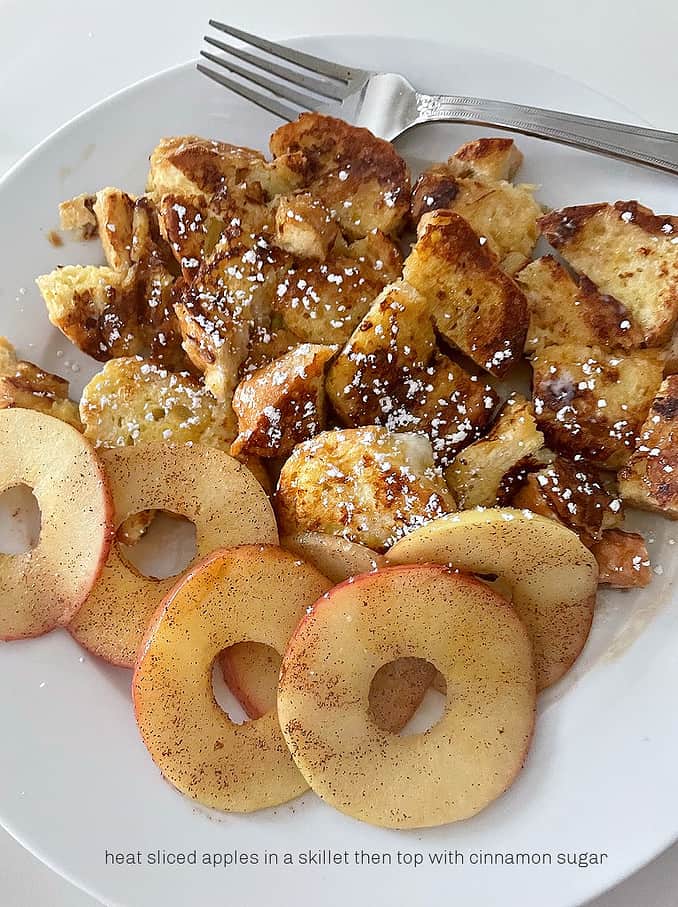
(651, 147)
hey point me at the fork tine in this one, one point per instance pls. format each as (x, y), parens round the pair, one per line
(298, 57)
(256, 97)
(320, 87)
(276, 88)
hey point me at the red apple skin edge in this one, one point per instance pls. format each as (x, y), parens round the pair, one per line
(403, 568)
(106, 542)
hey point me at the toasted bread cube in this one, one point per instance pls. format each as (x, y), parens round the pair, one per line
(650, 478)
(230, 298)
(577, 495)
(484, 473)
(322, 302)
(366, 485)
(191, 166)
(361, 179)
(304, 226)
(77, 215)
(96, 308)
(268, 343)
(134, 400)
(591, 402)
(283, 403)
(448, 405)
(492, 158)
(379, 252)
(623, 561)
(185, 224)
(114, 211)
(503, 214)
(565, 310)
(476, 307)
(629, 253)
(393, 342)
(25, 385)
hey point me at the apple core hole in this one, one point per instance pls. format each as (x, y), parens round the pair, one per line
(20, 520)
(245, 680)
(407, 696)
(157, 543)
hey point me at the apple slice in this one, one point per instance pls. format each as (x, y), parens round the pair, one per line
(337, 558)
(207, 486)
(251, 670)
(460, 764)
(256, 592)
(45, 586)
(553, 578)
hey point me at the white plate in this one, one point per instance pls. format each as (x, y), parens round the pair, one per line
(76, 780)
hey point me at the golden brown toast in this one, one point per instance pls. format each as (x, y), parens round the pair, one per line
(114, 212)
(475, 305)
(361, 179)
(650, 478)
(629, 253)
(192, 166)
(25, 385)
(283, 403)
(568, 310)
(577, 495)
(592, 402)
(623, 561)
(304, 226)
(393, 343)
(77, 215)
(366, 485)
(491, 158)
(474, 184)
(485, 472)
(95, 307)
(229, 299)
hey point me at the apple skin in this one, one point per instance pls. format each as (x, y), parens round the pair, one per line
(475, 639)
(44, 471)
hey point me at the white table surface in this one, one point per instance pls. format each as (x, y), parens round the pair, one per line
(56, 58)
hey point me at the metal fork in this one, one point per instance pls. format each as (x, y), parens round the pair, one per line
(388, 105)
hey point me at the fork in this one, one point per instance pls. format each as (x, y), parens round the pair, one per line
(388, 105)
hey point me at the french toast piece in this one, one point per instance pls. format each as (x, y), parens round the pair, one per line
(268, 343)
(134, 400)
(114, 211)
(283, 403)
(568, 310)
(392, 344)
(230, 298)
(650, 478)
(492, 158)
(322, 302)
(629, 253)
(77, 215)
(591, 402)
(623, 561)
(25, 385)
(379, 252)
(577, 495)
(193, 167)
(367, 485)
(448, 405)
(475, 305)
(361, 179)
(95, 307)
(504, 214)
(304, 226)
(486, 472)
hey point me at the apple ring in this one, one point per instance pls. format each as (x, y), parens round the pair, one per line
(552, 576)
(462, 763)
(44, 587)
(217, 493)
(253, 592)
